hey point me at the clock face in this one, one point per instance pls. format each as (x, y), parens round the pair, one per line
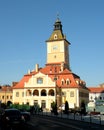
(55, 47)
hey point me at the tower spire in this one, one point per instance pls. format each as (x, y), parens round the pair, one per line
(58, 25)
(57, 15)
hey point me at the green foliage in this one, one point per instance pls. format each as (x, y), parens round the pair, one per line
(54, 108)
(22, 107)
(66, 107)
(83, 108)
(53, 104)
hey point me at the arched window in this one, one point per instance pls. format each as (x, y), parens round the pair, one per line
(43, 92)
(100, 98)
(28, 93)
(51, 92)
(35, 93)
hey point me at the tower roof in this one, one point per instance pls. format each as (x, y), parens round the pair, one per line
(57, 33)
(58, 25)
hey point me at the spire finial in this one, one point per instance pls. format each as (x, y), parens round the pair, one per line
(57, 16)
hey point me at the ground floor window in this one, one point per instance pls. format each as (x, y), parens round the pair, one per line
(43, 104)
(35, 102)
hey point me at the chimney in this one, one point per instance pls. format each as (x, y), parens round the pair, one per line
(28, 71)
(36, 67)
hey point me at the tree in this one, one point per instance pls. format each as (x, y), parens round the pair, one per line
(66, 107)
(54, 108)
(83, 108)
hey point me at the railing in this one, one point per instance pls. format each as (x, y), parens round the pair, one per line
(92, 119)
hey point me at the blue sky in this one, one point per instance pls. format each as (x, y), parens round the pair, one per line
(25, 25)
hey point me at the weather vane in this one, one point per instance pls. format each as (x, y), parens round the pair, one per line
(57, 15)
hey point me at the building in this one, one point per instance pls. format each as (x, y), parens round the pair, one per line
(96, 94)
(55, 82)
(5, 94)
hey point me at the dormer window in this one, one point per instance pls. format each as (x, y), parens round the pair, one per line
(62, 82)
(77, 81)
(67, 81)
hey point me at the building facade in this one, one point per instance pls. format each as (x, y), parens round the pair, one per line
(5, 94)
(55, 82)
(96, 94)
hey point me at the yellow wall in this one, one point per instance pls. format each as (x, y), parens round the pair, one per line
(6, 96)
(18, 96)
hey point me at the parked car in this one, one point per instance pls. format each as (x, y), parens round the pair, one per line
(11, 117)
(26, 115)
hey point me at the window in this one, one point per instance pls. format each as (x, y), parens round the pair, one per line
(95, 98)
(35, 93)
(22, 94)
(43, 104)
(28, 93)
(51, 92)
(10, 97)
(67, 81)
(72, 94)
(91, 97)
(7, 97)
(64, 93)
(100, 98)
(17, 94)
(62, 82)
(39, 80)
(55, 36)
(35, 102)
(43, 92)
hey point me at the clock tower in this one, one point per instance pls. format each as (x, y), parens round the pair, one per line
(58, 46)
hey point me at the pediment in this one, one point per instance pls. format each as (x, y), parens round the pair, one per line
(39, 75)
(39, 80)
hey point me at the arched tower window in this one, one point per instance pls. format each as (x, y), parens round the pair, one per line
(55, 36)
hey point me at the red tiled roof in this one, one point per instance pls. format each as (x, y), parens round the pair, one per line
(5, 88)
(96, 90)
(52, 71)
(20, 85)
